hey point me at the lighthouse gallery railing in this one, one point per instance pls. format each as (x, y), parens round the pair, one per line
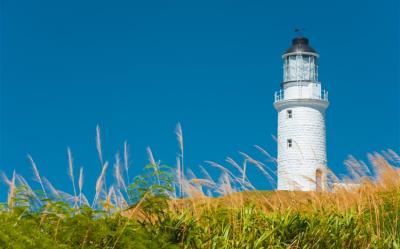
(323, 95)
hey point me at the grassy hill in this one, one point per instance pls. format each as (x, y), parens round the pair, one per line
(364, 217)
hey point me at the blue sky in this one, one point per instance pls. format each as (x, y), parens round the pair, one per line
(137, 68)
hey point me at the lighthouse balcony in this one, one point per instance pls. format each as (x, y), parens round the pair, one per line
(299, 94)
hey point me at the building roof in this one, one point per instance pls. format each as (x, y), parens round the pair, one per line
(300, 44)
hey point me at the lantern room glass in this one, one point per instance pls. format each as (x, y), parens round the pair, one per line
(300, 67)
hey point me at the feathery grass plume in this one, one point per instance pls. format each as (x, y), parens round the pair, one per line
(11, 189)
(245, 181)
(50, 187)
(376, 158)
(37, 175)
(150, 156)
(11, 192)
(394, 156)
(22, 181)
(195, 189)
(126, 160)
(114, 198)
(98, 144)
(191, 174)
(244, 170)
(232, 177)
(67, 197)
(80, 185)
(71, 173)
(387, 175)
(84, 200)
(108, 205)
(99, 183)
(356, 167)
(242, 179)
(179, 175)
(5, 178)
(100, 152)
(118, 174)
(391, 157)
(364, 167)
(122, 203)
(234, 164)
(179, 136)
(153, 162)
(259, 165)
(209, 181)
(206, 174)
(204, 182)
(330, 178)
(219, 166)
(225, 186)
(26, 191)
(271, 158)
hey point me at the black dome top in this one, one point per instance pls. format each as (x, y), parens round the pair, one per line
(300, 44)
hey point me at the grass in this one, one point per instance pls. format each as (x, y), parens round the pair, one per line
(148, 211)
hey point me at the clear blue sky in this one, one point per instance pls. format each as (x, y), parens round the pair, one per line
(139, 67)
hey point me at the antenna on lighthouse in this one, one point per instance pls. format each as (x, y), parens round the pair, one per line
(299, 31)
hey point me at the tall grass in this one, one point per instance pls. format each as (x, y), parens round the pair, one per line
(360, 210)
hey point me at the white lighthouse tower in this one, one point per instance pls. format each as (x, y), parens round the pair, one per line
(301, 105)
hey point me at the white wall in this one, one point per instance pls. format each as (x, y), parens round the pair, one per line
(298, 90)
(297, 165)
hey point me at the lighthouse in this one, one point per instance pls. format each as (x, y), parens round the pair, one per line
(301, 103)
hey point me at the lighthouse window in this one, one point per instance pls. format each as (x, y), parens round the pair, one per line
(289, 143)
(289, 114)
(300, 67)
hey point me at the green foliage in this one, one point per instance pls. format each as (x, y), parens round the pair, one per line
(56, 224)
(249, 228)
(156, 181)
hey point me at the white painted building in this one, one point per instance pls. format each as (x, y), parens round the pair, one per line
(301, 105)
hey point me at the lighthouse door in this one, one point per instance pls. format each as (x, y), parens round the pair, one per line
(318, 180)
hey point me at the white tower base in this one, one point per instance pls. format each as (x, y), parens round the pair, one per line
(301, 165)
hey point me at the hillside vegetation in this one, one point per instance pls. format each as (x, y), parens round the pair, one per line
(165, 208)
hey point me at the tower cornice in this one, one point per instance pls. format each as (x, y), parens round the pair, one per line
(306, 102)
(298, 82)
(300, 53)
